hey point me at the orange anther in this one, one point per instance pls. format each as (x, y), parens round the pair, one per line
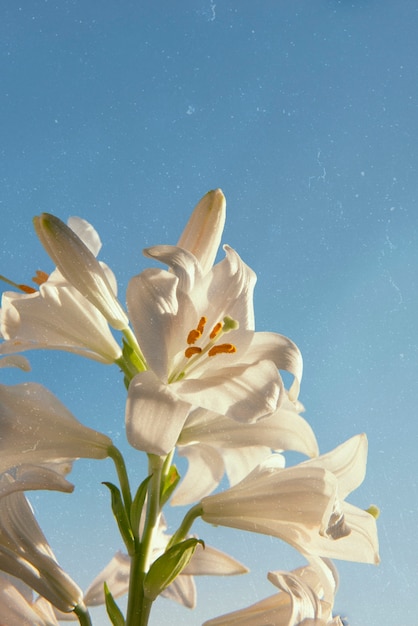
(193, 336)
(27, 289)
(216, 330)
(201, 325)
(191, 351)
(223, 348)
(40, 278)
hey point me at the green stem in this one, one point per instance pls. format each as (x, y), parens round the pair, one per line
(120, 466)
(83, 615)
(182, 531)
(139, 606)
(132, 342)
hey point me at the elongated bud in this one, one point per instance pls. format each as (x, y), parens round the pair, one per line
(203, 231)
(80, 267)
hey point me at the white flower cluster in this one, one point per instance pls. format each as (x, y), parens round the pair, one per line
(203, 384)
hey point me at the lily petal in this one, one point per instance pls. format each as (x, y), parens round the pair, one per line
(154, 415)
(25, 553)
(242, 393)
(56, 317)
(115, 575)
(203, 232)
(37, 428)
(80, 267)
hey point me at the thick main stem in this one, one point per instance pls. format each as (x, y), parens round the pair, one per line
(139, 606)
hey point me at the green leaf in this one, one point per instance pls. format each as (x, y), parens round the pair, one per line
(171, 480)
(168, 566)
(113, 611)
(121, 517)
(138, 504)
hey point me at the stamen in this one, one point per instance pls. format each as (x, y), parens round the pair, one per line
(201, 325)
(223, 348)
(191, 351)
(193, 336)
(27, 289)
(216, 330)
(24, 288)
(40, 278)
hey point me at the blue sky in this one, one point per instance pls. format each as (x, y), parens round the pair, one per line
(305, 114)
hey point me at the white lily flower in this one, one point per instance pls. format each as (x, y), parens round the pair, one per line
(79, 266)
(214, 443)
(37, 429)
(56, 317)
(25, 553)
(294, 504)
(195, 326)
(353, 529)
(302, 600)
(205, 562)
(303, 504)
(18, 607)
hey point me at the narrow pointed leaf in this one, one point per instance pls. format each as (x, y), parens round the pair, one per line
(121, 516)
(113, 611)
(138, 504)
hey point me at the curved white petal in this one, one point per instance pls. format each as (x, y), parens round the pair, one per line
(239, 462)
(16, 608)
(275, 610)
(154, 414)
(161, 323)
(230, 288)
(183, 264)
(80, 267)
(360, 544)
(86, 232)
(25, 553)
(207, 561)
(242, 393)
(283, 430)
(204, 474)
(115, 575)
(34, 477)
(182, 590)
(347, 462)
(282, 351)
(203, 232)
(37, 428)
(56, 317)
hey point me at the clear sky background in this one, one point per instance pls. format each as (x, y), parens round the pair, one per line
(305, 113)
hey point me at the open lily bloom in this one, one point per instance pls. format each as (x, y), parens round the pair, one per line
(58, 316)
(302, 600)
(303, 504)
(37, 428)
(195, 326)
(204, 562)
(25, 553)
(18, 607)
(354, 530)
(214, 444)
